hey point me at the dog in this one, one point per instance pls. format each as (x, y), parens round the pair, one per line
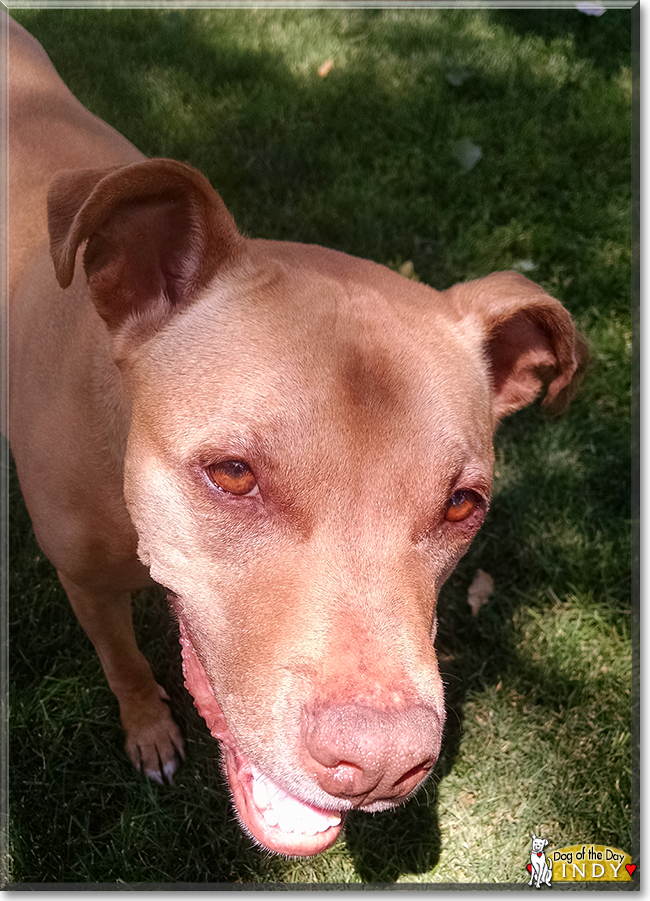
(541, 868)
(295, 443)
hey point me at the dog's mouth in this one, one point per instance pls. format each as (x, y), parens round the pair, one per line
(274, 818)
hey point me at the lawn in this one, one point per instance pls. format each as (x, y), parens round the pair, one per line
(460, 142)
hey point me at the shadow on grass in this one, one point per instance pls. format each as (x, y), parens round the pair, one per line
(600, 39)
(364, 162)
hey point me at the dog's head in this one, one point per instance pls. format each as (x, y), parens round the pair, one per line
(538, 844)
(310, 455)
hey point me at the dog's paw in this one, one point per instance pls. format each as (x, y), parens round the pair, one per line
(154, 742)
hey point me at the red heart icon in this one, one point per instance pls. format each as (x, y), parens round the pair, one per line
(630, 867)
(528, 867)
(539, 853)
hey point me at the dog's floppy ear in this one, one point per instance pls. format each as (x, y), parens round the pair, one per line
(528, 338)
(157, 233)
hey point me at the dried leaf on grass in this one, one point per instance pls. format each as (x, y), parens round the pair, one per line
(590, 8)
(525, 265)
(327, 67)
(458, 76)
(479, 591)
(407, 269)
(467, 154)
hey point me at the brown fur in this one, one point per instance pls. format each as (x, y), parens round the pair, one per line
(360, 400)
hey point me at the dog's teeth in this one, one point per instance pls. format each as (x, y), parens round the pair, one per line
(291, 806)
(287, 824)
(260, 793)
(324, 823)
(271, 816)
(286, 812)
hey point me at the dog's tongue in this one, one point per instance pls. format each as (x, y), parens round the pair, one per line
(277, 820)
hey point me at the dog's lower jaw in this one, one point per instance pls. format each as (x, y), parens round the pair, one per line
(273, 818)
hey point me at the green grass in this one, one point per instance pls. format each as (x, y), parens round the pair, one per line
(538, 736)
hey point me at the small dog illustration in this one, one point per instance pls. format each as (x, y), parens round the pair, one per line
(541, 868)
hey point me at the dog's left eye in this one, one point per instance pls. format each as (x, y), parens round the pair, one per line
(461, 505)
(233, 477)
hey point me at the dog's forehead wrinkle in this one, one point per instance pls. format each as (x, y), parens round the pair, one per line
(430, 434)
(291, 313)
(338, 368)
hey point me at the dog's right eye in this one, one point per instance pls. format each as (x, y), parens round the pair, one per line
(461, 505)
(233, 477)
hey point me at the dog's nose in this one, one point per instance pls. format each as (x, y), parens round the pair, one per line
(366, 754)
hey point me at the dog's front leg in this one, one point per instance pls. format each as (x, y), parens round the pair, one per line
(153, 740)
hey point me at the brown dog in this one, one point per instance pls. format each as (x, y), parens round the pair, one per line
(296, 443)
